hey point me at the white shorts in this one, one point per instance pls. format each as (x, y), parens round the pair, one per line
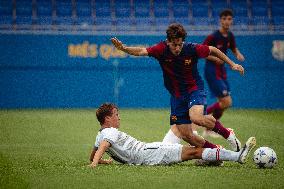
(158, 153)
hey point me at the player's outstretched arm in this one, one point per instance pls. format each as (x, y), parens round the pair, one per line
(214, 59)
(136, 51)
(216, 52)
(99, 153)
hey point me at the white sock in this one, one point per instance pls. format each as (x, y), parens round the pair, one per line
(215, 154)
(171, 138)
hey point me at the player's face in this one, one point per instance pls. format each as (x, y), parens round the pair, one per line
(114, 119)
(226, 22)
(175, 45)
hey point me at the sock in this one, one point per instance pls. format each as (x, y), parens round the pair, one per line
(171, 138)
(219, 155)
(209, 145)
(213, 107)
(221, 130)
(217, 113)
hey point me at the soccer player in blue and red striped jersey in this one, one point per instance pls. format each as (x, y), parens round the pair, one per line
(215, 71)
(178, 60)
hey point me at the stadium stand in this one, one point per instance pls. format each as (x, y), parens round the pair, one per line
(137, 15)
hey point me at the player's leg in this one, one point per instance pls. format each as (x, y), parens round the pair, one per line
(221, 90)
(181, 126)
(217, 154)
(209, 122)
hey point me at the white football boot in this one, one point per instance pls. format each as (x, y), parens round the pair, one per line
(249, 145)
(233, 141)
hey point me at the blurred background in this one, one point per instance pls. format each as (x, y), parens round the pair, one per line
(58, 54)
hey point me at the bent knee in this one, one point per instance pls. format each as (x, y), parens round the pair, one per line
(225, 102)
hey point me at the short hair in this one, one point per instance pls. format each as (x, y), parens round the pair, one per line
(226, 12)
(105, 110)
(176, 31)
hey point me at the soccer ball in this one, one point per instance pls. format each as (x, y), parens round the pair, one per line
(265, 157)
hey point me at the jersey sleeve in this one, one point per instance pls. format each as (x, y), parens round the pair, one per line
(232, 42)
(97, 143)
(156, 50)
(110, 135)
(209, 40)
(202, 51)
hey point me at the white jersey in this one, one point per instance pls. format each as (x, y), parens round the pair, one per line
(126, 149)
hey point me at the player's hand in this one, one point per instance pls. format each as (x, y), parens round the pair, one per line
(238, 68)
(93, 165)
(118, 44)
(108, 161)
(240, 57)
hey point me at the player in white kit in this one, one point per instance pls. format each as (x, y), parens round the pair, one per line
(128, 150)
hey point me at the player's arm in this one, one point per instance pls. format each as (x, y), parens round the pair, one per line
(97, 154)
(219, 54)
(136, 51)
(238, 54)
(214, 59)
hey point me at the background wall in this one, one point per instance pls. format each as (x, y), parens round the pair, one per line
(70, 71)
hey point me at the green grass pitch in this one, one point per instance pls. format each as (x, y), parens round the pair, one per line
(50, 149)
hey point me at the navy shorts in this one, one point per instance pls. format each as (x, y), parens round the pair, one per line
(181, 105)
(218, 87)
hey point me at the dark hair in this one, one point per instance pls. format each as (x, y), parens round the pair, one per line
(226, 12)
(105, 110)
(176, 31)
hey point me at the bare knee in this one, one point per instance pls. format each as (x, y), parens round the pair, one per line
(225, 102)
(207, 121)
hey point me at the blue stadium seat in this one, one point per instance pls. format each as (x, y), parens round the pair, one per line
(144, 23)
(6, 8)
(277, 9)
(162, 23)
(84, 20)
(102, 9)
(259, 9)
(6, 19)
(44, 8)
(64, 20)
(83, 9)
(44, 20)
(239, 8)
(199, 9)
(161, 11)
(104, 23)
(24, 20)
(24, 8)
(202, 21)
(124, 24)
(185, 21)
(64, 9)
(181, 10)
(241, 23)
(218, 6)
(122, 10)
(141, 9)
(261, 22)
(278, 20)
(180, 3)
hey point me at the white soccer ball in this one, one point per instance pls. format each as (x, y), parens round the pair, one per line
(265, 157)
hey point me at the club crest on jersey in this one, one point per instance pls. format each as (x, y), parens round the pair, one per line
(278, 50)
(174, 118)
(187, 62)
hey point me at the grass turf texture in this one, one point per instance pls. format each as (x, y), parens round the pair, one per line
(50, 149)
